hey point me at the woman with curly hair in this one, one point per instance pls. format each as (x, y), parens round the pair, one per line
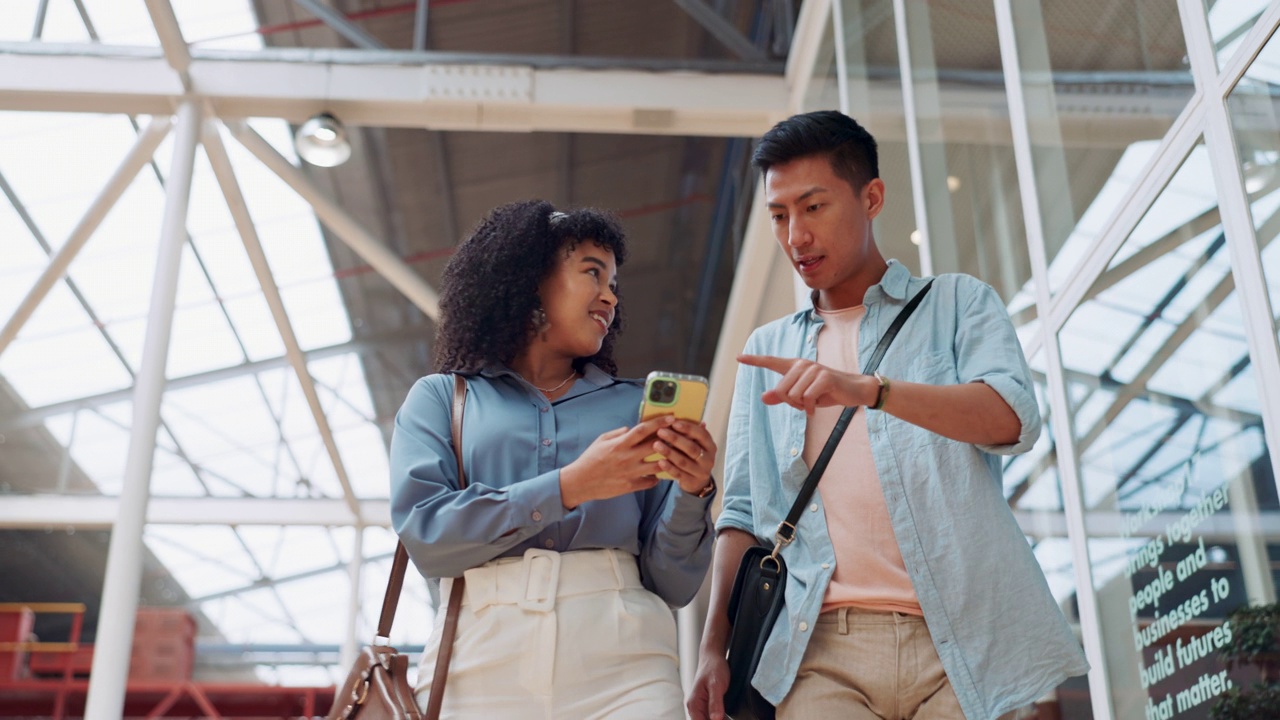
(572, 550)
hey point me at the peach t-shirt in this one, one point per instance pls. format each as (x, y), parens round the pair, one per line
(869, 571)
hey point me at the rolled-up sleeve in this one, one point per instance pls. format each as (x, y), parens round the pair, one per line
(735, 511)
(988, 351)
(447, 530)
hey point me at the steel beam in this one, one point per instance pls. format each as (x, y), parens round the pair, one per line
(176, 51)
(420, 25)
(35, 416)
(518, 94)
(341, 25)
(60, 512)
(339, 221)
(805, 46)
(222, 170)
(119, 181)
(99, 512)
(385, 89)
(721, 29)
(42, 11)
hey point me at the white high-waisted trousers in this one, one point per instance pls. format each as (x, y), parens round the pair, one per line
(569, 636)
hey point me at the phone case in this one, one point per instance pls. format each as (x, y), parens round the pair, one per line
(688, 403)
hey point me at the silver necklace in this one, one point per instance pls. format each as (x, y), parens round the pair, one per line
(548, 391)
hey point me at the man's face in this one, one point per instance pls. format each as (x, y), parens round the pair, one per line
(822, 224)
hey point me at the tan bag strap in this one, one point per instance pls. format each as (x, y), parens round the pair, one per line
(450, 629)
(401, 562)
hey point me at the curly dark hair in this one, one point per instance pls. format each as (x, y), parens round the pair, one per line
(490, 288)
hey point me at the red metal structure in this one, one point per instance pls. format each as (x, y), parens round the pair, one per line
(50, 679)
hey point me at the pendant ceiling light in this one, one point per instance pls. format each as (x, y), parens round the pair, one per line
(322, 141)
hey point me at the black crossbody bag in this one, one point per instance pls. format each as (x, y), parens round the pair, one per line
(759, 589)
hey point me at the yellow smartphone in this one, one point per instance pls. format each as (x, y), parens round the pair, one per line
(665, 393)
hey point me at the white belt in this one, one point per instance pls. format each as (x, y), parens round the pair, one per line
(533, 582)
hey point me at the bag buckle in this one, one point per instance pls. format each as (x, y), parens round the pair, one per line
(785, 533)
(545, 601)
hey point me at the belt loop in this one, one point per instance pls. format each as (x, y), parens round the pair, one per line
(618, 581)
(546, 600)
(842, 620)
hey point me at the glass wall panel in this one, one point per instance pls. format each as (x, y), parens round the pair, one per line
(1229, 22)
(1102, 81)
(967, 174)
(1176, 481)
(873, 91)
(1255, 118)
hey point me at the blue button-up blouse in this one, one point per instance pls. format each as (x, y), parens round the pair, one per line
(514, 442)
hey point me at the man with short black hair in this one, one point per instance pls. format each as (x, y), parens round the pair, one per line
(912, 592)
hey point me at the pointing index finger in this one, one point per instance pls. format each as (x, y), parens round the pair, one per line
(768, 362)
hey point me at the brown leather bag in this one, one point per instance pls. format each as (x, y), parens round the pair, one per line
(377, 688)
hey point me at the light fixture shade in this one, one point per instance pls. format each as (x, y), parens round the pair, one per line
(322, 141)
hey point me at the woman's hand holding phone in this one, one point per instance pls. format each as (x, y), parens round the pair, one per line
(615, 463)
(689, 452)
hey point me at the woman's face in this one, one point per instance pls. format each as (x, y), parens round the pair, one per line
(578, 297)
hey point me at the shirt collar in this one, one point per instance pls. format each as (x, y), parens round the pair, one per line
(590, 373)
(893, 284)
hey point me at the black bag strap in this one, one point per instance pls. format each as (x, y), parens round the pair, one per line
(786, 531)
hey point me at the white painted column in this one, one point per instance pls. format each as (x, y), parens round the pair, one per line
(351, 641)
(124, 557)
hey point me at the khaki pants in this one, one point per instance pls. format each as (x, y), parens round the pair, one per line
(552, 636)
(865, 665)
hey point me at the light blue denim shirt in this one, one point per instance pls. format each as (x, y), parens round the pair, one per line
(514, 442)
(1002, 638)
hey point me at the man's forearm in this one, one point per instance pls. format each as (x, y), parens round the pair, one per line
(970, 412)
(730, 546)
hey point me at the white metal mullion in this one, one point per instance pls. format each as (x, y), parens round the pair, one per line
(221, 163)
(1237, 222)
(914, 161)
(1249, 48)
(842, 62)
(1059, 403)
(1174, 147)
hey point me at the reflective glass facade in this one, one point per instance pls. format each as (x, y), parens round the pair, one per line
(1070, 155)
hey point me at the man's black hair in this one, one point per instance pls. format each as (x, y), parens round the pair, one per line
(847, 145)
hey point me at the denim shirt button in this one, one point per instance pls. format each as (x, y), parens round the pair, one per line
(546, 442)
(794, 452)
(804, 627)
(813, 507)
